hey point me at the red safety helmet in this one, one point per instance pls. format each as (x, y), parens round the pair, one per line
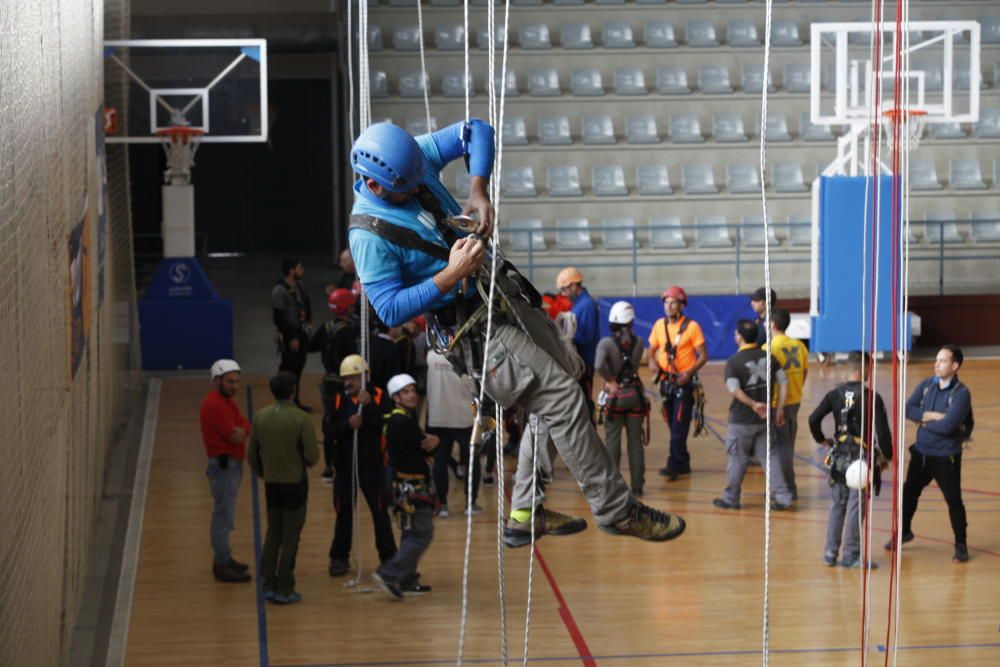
(675, 292)
(340, 301)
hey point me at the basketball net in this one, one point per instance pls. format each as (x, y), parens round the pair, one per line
(912, 123)
(180, 143)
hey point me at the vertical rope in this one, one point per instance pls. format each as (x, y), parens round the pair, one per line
(350, 69)
(424, 81)
(533, 421)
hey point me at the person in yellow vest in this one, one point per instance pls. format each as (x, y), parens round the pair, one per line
(794, 360)
(676, 354)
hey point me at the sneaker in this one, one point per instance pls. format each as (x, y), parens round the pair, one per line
(269, 596)
(238, 566)
(856, 563)
(547, 522)
(414, 589)
(338, 567)
(327, 476)
(443, 513)
(647, 523)
(961, 554)
(781, 507)
(724, 505)
(829, 559)
(673, 475)
(389, 586)
(289, 598)
(890, 545)
(488, 480)
(226, 574)
(473, 510)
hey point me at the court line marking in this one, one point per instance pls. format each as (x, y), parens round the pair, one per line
(567, 616)
(118, 639)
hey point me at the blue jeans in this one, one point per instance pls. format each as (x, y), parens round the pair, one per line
(225, 487)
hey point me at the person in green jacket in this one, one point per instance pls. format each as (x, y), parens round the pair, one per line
(282, 446)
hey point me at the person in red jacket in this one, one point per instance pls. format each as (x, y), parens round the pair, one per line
(224, 431)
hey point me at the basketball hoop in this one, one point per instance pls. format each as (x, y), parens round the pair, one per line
(180, 143)
(912, 130)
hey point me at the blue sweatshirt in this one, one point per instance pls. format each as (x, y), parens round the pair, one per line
(588, 331)
(943, 437)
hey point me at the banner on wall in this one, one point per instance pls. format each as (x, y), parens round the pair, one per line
(102, 200)
(79, 291)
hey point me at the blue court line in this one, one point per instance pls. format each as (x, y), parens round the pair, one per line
(258, 580)
(646, 656)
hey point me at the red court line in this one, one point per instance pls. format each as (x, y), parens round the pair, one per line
(567, 616)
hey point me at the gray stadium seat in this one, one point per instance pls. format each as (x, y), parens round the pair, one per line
(685, 128)
(526, 234)
(375, 38)
(710, 231)
(398, 3)
(412, 83)
(660, 35)
(575, 36)
(989, 27)
(743, 177)
(534, 36)
(810, 132)
(752, 231)
(666, 232)
(598, 130)
(521, 3)
(462, 183)
(785, 33)
(630, 81)
(554, 130)
(788, 177)
(672, 80)
(700, 33)
(619, 233)
(650, 2)
(752, 79)
(586, 82)
(543, 82)
(742, 32)
(800, 230)
(567, 2)
(727, 127)
(445, 3)
(608, 180)
(798, 77)
(564, 181)
(453, 84)
(988, 126)
(923, 175)
(483, 37)
(965, 175)
(406, 38)
(640, 128)
(518, 182)
(714, 79)
(698, 179)
(617, 35)
(947, 131)
(417, 126)
(450, 37)
(573, 234)
(378, 83)
(511, 83)
(515, 131)
(653, 179)
(691, 2)
(986, 225)
(942, 223)
(777, 126)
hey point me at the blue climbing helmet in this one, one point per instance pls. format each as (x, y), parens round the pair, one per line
(388, 154)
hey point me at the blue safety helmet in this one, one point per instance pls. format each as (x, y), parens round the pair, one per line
(388, 154)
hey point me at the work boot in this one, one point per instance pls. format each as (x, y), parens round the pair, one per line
(891, 545)
(238, 566)
(647, 523)
(287, 598)
(389, 585)
(547, 522)
(225, 573)
(338, 567)
(961, 554)
(414, 588)
(723, 504)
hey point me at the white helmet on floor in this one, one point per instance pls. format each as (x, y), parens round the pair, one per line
(856, 474)
(622, 312)
(398, 383)
(223, 366)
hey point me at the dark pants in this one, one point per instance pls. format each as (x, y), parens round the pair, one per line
(678, 402)
(416, 535)
(286, 515)
(449, 438)
(947, 472)
(294, 362)
(374, 485)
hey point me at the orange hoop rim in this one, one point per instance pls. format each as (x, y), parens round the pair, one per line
(180, 133)
(904, 113)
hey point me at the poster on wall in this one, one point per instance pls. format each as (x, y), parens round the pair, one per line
(79, 291)
(100, 122)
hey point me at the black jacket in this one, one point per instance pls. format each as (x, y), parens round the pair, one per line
(370, 450)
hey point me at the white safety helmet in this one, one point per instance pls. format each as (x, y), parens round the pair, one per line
(856, 474)
(622, 312)
(397, 383)
(223, 366)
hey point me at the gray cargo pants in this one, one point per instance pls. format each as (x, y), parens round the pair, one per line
(523, 372)
(742, 441)
(843, 501)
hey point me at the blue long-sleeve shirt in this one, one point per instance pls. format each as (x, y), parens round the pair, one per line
(588, 332)
(400, 281)
(942, 437)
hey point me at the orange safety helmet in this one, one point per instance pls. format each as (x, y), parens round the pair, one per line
(675, 292)
(340, 301)
(568, 276)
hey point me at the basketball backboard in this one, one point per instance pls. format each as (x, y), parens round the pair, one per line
(217, 86)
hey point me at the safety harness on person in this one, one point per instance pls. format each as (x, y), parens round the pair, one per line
(410, 490)
(667, 381)
(848, 445)
(630, 399)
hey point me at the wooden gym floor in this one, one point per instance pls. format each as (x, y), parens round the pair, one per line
(598, 599)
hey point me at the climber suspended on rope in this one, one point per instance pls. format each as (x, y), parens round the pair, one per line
(413, 258)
